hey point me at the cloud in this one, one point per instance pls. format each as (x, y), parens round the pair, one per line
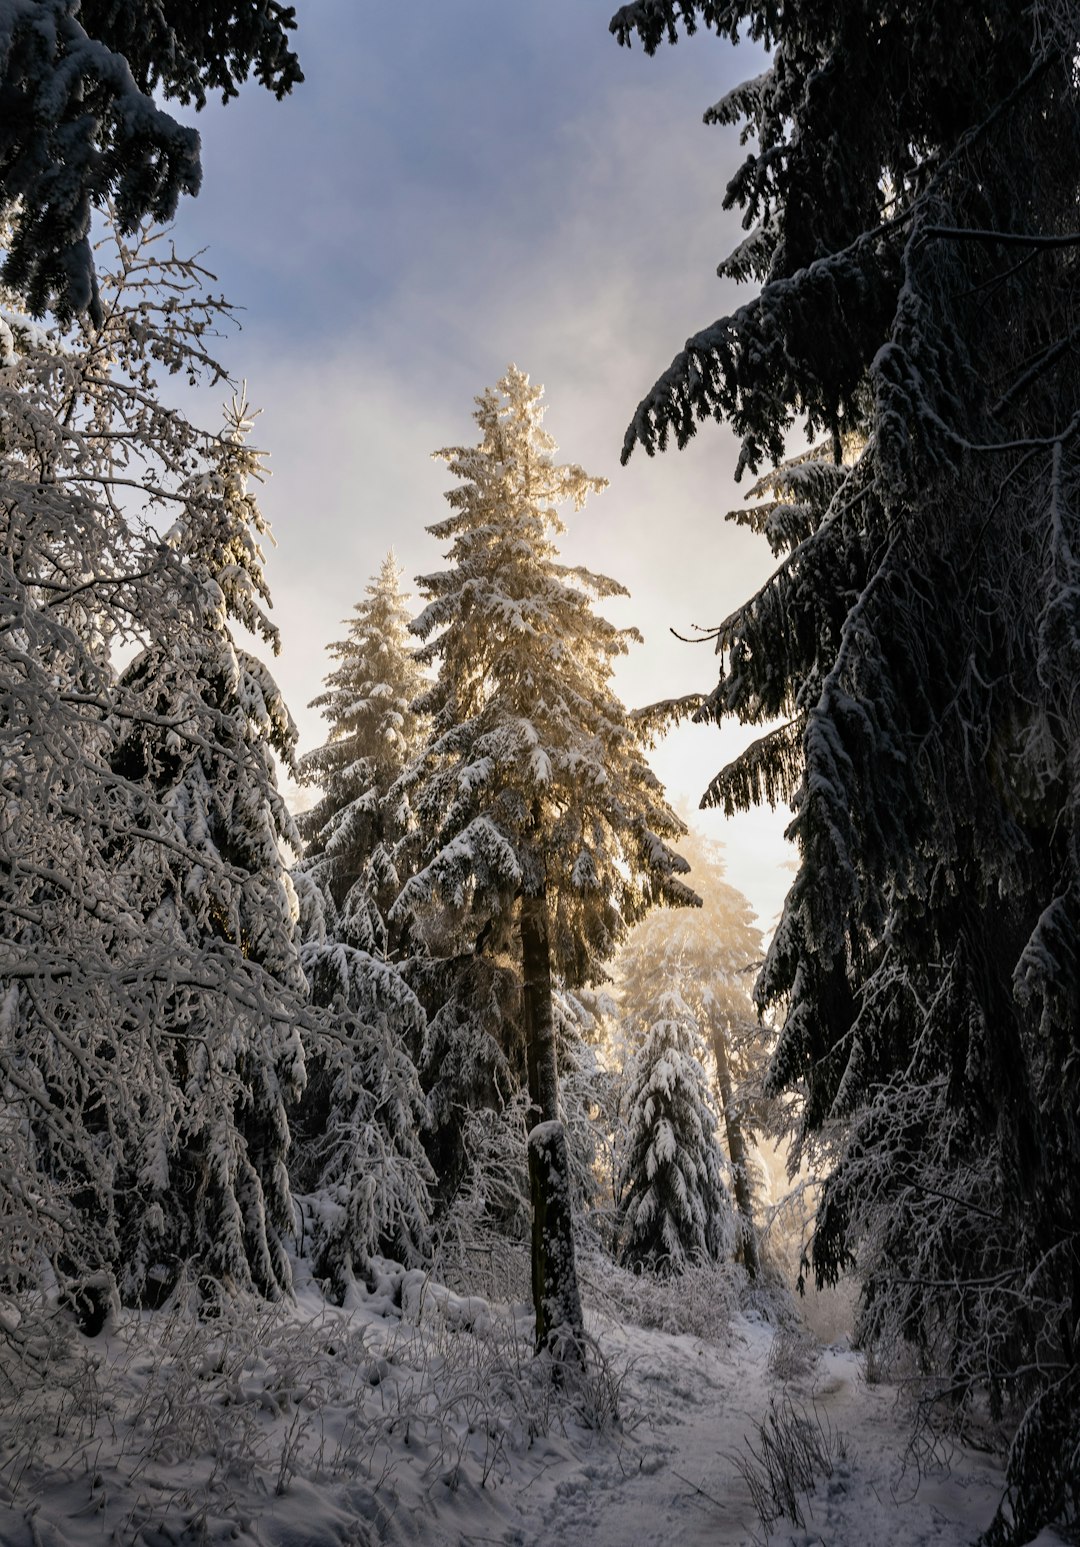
(455, 188)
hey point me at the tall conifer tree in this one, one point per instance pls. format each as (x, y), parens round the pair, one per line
(223, 1195)
(359, 1158)
(911, 200)
(547, 832)
(353, 832)
(149, 979)
(707, 958)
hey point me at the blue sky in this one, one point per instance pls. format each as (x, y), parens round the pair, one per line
(456, 186)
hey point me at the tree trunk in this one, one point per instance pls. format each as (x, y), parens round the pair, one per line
(559, 1323)
(748, 1243)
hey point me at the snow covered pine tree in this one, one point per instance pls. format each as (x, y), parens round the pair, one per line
(706, 958)
(359, 1158)
(674, 1208)
(542, 818)
(354, 832)
(201, 718)
(912, 200)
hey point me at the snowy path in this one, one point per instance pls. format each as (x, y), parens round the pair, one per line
(669, 1481)
(316, 1427)
(673, 1479)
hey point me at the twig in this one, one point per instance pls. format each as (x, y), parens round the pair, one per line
(689, 1484)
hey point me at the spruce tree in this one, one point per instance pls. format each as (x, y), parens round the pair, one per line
(353, 832)
(359, 1158)
(359, 1166)
(547, 833)
(217, 785)
(911, 201)
(708, 958)
(674, 1208)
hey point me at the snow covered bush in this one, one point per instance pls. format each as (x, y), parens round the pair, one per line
(701, 1302)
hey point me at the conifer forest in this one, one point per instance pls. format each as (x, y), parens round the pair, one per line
(409, 1130)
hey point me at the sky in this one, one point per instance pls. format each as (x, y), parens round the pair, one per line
(455, 187)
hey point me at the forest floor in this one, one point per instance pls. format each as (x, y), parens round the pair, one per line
(417, 1416)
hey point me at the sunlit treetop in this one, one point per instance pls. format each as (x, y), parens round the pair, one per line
(535, 779)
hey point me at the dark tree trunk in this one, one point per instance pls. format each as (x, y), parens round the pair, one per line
(748, 1242)
(559, 1323)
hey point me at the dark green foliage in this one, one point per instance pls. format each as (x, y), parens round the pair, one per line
(850, 136)
(913, 191)
(188, 48)
(674, 1208)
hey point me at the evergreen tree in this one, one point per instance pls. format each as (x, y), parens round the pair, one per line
(707, 957)
(225, 1182)
(81, 128)
(912, 205)
(353, 832)
(546, 830)
(360, 1162)
(674, 1207)
(360, 1157)
(471, 1058)
(147, 977)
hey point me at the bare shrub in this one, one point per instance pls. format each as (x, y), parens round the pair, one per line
(175, 1420)
(794, 1449)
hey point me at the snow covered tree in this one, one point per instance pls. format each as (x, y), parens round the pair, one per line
(471, 1058)
(708, 957)
(674, 1207)
(230, 885)
(547, 832)
(81, 127)
(360, 1157)
(360, 1162)
(353, 831)
(148, 983)
(588, 1102)
(912, 201)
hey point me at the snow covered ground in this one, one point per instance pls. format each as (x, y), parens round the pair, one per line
(417, 1416)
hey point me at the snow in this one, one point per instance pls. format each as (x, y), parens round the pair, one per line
(416, 1415)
